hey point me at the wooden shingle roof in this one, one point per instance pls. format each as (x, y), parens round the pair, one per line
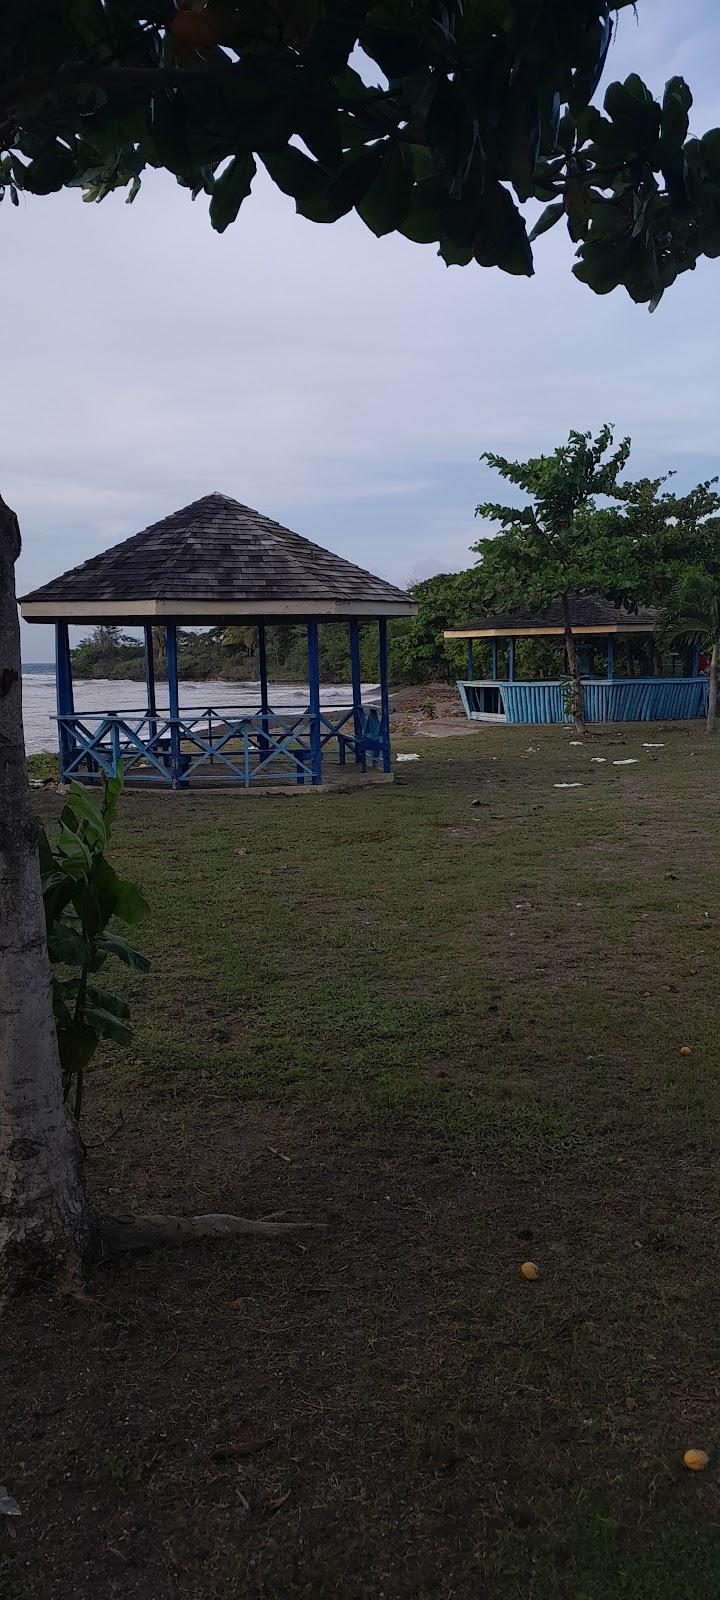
(215, 558)
(589, 613)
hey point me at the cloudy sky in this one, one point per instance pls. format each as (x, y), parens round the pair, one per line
(342, 384)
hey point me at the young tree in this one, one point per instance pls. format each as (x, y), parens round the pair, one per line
(671, 559)
(446, 600)
(478, 110)
(693, 617)
(560, 542)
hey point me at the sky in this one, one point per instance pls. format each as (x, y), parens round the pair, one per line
(345, 385)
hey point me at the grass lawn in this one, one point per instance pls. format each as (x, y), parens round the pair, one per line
(445, 1018)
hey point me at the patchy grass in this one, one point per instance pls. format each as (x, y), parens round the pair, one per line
(445, 1018)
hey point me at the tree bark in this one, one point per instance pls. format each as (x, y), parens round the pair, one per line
(573, 668)
(43, 1214)
(712, 689)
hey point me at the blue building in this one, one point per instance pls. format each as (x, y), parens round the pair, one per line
(218, 563)
(606, 636)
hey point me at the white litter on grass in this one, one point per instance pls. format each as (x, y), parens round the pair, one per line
(8, 1506)
(599, 760)
(627, 761)
(567, 786)
(577, 742)
(407, 758)
(653, 747)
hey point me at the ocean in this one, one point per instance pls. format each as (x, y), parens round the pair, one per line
(119, 694)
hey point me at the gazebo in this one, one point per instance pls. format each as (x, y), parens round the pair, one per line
(596, 624)
(218, 563)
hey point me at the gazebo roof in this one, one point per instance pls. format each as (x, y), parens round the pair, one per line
(215, 558)
(589, 613)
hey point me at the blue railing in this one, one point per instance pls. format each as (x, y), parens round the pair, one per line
(239, 745)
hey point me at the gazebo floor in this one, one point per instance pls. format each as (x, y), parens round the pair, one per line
(335, 778)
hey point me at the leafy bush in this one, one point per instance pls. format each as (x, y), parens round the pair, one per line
(45, 764)
(83, 896)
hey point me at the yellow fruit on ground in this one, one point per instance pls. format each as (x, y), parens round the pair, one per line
(695, 1460)
(686, 1049)
(530, 1271)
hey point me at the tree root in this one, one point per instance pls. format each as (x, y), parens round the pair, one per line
(112, 1235)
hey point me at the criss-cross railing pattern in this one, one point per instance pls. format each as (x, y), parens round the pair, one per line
(242, 745)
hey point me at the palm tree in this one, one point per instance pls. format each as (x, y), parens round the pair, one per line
(693, 617)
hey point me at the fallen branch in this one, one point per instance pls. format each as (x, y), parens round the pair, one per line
(114, 1234)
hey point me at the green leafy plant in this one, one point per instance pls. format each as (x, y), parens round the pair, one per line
(45, 764)
(692, 617)
(462, 114)
(83, 898)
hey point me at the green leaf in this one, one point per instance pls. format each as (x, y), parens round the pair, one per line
(48, 173)
(547, 219)
(501, 238)
(77, 1043)
(107, 1015)
(455, 252)
(316, 118)
(301, 178)
(518, 134)
(76, 857)
(230, 189)
(352, 183)
(675, 123)
(130, 906)
(387, 201)
(112, 790)
(635, 115)
(68, 946)
(112, 944)
(710, 153)
(82, 810)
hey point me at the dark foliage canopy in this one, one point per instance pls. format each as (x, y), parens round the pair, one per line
(437, 119)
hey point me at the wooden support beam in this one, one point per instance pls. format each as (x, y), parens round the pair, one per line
(470, 661)
(172, 672)
(493, 660)
(356, 678)
(64, 693)
(314, 684)
(511, 660)
(384, 694)
(264, 703)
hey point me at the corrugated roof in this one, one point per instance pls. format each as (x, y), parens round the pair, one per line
(218, 551)
(586, 611)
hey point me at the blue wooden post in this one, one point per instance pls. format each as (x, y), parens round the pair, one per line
(150, 680)
(314, 682)
(384, 695)
(511, 661)
(64, 693)
(264, 704)
(610, 656)
(695, 661)
(493, 659)
(172, 672)
(470, 661)
(356, 678)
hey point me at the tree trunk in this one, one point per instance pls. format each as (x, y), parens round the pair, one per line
(43, 1216)
(573, 668)
(712, 689)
